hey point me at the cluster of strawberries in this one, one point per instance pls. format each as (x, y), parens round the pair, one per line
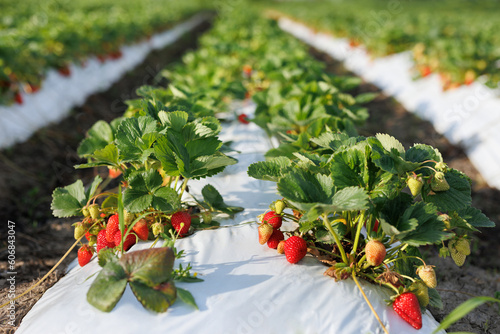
(103, 234)
(294, 248)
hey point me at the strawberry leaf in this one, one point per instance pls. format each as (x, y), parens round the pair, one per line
(187, 297)
(271, 170)
(134, 138)
(108, 156)
(427, 228)
(99, 135)
(213, 198)
(108, 287)
(158, 298)
(455, 198)
(475, 217)
(422, 152)
(69, 201)
(150, 266)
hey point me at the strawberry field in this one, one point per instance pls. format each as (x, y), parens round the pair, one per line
(239, 180)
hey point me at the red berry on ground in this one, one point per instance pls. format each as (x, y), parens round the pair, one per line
(111, 228)
(408, 308)
(85, 254)
(18, 98)
(243, 118)
(273, 219)
(275, 239)
(295, 249)
(179, 218)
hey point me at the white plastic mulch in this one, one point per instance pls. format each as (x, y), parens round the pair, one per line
(58, 94)
(247, 288)
(468, 116)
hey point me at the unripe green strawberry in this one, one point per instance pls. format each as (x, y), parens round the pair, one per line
(428, 276)
(79, 230)
(92, 240)
(128, 217)
(457, 257)
(265, 231)
(94, 211)
(415, 184)
(375, 252)
(439, 182)
(279, 206)
(462, 245)
(207, 217)
(445, 219)
(421, 291)
(444, 252)
(157, 228)
(85, 211)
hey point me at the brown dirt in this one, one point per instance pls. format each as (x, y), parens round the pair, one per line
(33, 169)
(479, 276)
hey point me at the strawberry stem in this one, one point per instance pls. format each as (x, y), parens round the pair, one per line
(368, 302)
(358, 232)
(184, 185)
(336, 237)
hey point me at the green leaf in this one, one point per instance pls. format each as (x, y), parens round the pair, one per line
(145, 190)
(422, 152)
(428, 228)
(68, 201)
(213, 198)
(347, 167)
(166, 199)
(108, 287)
(456, 198)
(365, 97)
(99, 135)
(136, 200)
(305, 187)
(135, 136)
(390, 144)
(106, 255)
(158, 298)
(475, 217)
(149, 266)
(187, 297)
(271, 170)
(462, 310)
(175, 119)
(435, 299)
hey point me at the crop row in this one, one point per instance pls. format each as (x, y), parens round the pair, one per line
(37, 36)
(335, 182)
(456, 39)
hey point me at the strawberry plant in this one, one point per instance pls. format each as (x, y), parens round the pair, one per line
(343, 184)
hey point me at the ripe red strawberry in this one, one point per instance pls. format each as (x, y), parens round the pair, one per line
(427, 274)
(375, 252)
(273, 219)
(179, 218)
(129, 241)
(265, 232)
(64, 71)
(275, 239)
(281, 247)
(247, 70)
(103, 242)
(114, 172)
(408, 308)
(85, 254)
(18, 98)
(111, 228)
(141, 229)
(295, 249)
(243, 118)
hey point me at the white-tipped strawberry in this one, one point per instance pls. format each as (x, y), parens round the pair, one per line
(427, 274)
(265, 232)
(375, 252)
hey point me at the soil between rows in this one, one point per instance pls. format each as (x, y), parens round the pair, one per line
(30, 172)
